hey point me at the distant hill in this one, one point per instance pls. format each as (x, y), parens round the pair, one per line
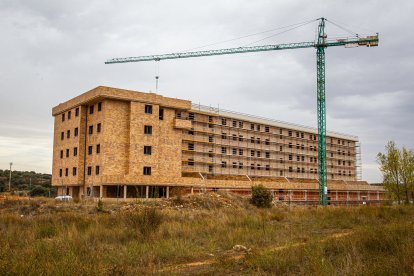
(21, 180)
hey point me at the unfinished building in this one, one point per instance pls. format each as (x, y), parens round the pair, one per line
(115, 143)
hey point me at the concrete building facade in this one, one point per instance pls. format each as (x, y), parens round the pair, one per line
(115, 143)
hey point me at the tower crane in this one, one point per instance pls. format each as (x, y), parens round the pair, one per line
(320, 44)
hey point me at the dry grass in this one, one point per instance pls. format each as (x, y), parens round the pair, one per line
(196, 236)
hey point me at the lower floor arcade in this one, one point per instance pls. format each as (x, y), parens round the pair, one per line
(115, 191)
(297, 196)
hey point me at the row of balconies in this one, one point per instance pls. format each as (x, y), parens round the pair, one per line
(248, 142)
(218, 148)
(198, 125)
(279, 162)
(235, 169)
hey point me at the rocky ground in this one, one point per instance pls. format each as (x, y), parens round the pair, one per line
(38, 205)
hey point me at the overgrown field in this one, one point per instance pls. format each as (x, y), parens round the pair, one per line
(205, 234)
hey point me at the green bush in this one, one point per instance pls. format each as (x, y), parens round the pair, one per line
(100, 206)
(261, 197)
(38, 190)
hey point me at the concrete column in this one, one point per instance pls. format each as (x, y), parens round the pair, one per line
(146, 191)
(359, 195)
(378, 198)
(101, 191)
(347, 196)
(192, 190)
(125, 191)
(336, 195)
(306, 195)
(168, 192)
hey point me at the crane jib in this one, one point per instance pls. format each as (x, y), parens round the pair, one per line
(369, 41)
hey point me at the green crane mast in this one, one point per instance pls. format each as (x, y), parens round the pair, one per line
(320, 45)
(320, 83)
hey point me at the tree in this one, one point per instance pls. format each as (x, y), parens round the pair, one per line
(397, 167)
(38, 190)
(261, 197)
(22, 179)
(407, 173)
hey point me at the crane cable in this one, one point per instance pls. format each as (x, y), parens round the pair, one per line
(303, 24)
(342, 28)
(249, 35)
(291, 27)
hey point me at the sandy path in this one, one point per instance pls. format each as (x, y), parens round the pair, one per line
(238, 255)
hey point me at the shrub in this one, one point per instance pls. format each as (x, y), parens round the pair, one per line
(38, 190)
(100, 206)
(146, 221)
(261, 197)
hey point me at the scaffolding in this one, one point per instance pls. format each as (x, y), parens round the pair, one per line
(358, 161)
(207, 136)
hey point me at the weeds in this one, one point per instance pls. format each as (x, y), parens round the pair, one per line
(46, 231)
(178, 200)
(146, 221)
(283, 241)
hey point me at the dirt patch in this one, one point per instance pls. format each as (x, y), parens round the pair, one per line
(235, 255)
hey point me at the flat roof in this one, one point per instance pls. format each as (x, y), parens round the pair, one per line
(104, 92)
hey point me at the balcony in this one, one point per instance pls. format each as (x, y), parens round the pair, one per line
(182, 124)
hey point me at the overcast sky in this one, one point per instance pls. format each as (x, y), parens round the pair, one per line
(54, 50)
